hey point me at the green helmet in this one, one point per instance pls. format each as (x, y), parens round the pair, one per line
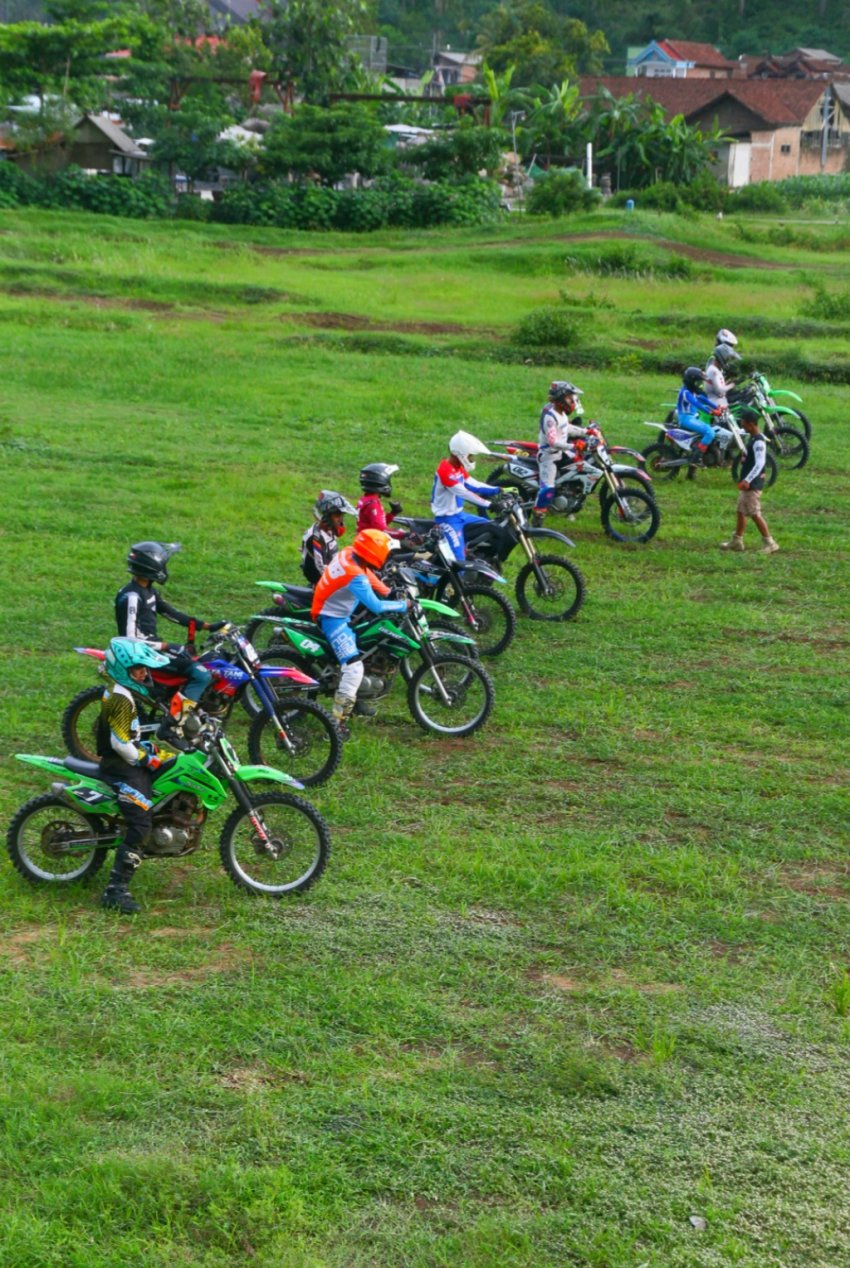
(123, 653)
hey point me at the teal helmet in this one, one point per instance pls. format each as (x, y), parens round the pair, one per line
(123, 653)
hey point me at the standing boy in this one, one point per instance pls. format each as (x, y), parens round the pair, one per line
(751, 485)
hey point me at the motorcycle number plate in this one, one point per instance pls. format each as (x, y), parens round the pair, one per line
(91, 796)
(517, 469)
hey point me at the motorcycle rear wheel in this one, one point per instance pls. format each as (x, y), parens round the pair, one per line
(654, 455)
(301, 850)
(264, 634)
(311, 731)
(789, 447)
(40, 822)
(275, 656)
(771, 470)
(470, 691)
(79, 724)
(642, 506)
(561, 586)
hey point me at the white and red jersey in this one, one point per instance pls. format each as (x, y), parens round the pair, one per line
(555, 429)
(452, 487)
(716, 386)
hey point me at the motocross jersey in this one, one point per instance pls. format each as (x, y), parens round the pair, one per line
(555, 429)
(318, 547)
(716, 386)
(118, 730)
(689, 404)
(452, 485)
(136, 610)
(344, 584)
(371, 514)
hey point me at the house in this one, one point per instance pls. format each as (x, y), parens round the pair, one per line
(455, 68)
(800, 63)
(775, 128)
(96, 144)
(679, 59)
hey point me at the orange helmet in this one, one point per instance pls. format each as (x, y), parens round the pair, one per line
(373, 545)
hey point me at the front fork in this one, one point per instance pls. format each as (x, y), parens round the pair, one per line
(268, 700)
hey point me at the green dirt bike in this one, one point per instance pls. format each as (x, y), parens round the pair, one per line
(448, 692)
(788, 444)
(273, 843)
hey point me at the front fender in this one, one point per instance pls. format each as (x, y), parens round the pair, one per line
(251, 774)
(782, 409)
(784, 391)
(624, 468)
(633, 453)
(434, 605)
(271, 585)
(549, 532)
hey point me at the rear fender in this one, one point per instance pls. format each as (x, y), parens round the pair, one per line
(291, 675)
(77, 785)
(264, 774)
(271, 585)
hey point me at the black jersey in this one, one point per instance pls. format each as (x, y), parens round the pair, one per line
(752, 468)
(136, 610)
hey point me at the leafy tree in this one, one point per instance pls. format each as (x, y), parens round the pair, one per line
(465, 151)
(326, 144)
(554, 125)
(308, 42)
(542, 46)
(64, 60)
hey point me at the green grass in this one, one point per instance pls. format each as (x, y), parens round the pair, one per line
(564, 985)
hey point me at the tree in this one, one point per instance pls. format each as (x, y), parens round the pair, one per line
(464, 151)
(326, 144)
(64, 60)
(543, 47)
(554, 123)
(307, 40)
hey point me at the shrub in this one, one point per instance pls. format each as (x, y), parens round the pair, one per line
(763, 196)
(827, 305)
(548, 328)
(191, 207)
(560, 192)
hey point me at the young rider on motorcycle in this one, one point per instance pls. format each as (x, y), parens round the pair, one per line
(452, 486)
(690, 401)
(376, 482)
(321, 541)
(137, 605)
(126, 763)
(347, 581)
(554, 436)
(716, 387)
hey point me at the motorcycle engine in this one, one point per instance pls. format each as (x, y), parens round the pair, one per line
(566, 503)
(177, 830)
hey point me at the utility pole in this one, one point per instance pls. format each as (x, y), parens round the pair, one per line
(824, 136)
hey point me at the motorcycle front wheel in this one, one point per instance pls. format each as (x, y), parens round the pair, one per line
(309, 748)
(469, 695)
(789, 447)
(550, 589)
(291, 860)
(47, 839)
(79, 724)
(411, 663)
(634, 518)
(484, 614)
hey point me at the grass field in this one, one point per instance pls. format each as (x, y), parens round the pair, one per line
(573, 991)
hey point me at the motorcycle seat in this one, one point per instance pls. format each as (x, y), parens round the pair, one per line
(301, 594)
(681, 433)
(78, 766)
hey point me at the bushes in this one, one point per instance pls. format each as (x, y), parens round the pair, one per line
(548, 328)
(702, 194)
(387, 204)
(560, 192)
(763, 196)
(149, 196)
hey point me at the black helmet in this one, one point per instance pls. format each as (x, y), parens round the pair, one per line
(693, 378)
(150, 559)
(561, 388)
(377, 477)
(725, 356)
(329, 503)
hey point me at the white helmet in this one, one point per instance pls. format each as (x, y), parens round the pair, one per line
(463, 445)
(726, 336)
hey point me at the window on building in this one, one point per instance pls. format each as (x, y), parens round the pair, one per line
(785, 149)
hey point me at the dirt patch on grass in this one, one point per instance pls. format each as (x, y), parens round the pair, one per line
(225, 959)
(820, 880)
(253, 1078)
(732, 952)
(571, 985)
(705, 255)
(18, 948)
(621, 978)
(355, 322)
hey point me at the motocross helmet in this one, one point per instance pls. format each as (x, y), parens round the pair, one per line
(464, 445)
(725, 356)
(377, 478)
(123, 654)
(150, 559)
(327, 505)
(373, 546)
(726, 336)
(560, 389)
(693, 378)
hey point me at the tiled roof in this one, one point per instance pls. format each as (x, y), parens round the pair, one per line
(699, 54)
(777, 102)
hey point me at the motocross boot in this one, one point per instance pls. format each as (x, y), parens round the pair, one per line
(342, 710)
(117, 896)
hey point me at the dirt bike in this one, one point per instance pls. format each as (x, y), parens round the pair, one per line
(626, 500)
(273, 843)
(776, 409)
(676, 450)
(287, 727)
(548, 587)
(448, 693)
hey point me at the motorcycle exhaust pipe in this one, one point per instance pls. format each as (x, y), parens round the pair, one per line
(60, 790)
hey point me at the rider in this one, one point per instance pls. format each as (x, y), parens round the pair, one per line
(347, 581)
(690, 402)
(137, 605)
(126, 764)
(376, 482)
(716, 387)
(321, 541)
(725, 336)
(452, 485)
(554, 436)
